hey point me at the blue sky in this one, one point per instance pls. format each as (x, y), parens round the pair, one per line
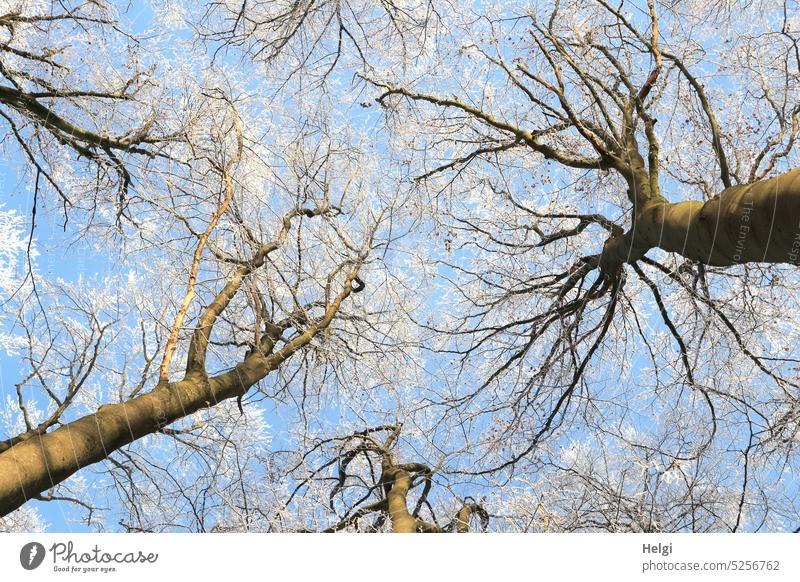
(57, 258)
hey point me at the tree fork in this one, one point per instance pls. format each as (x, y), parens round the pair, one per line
(34, 465)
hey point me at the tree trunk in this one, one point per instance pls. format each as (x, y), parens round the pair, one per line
(402, 520)
(753, 223)
(42, 461)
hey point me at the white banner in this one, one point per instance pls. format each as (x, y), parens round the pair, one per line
(348, 557)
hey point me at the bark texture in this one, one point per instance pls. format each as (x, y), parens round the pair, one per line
(757, 222)
(41, 461)
(36, 462)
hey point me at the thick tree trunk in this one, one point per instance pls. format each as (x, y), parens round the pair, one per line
(34, 463)
(757, 222)
(402, 520)
(461, 521)
(40, 462)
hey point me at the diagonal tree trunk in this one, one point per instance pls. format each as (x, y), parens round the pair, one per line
(34, 463)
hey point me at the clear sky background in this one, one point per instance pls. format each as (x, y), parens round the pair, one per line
(57, 258)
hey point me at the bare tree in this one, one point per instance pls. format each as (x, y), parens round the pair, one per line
(260, 246)
(576, 227)
(313, 39)
(56, 105)
(370, 488)
(614, 196)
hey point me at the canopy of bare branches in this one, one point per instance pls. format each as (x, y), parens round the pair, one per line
(412, 266)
